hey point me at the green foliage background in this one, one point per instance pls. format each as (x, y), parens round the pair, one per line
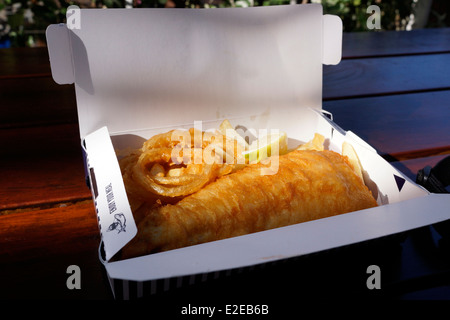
(23, 21)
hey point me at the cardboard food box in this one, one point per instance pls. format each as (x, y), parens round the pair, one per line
(138, 72)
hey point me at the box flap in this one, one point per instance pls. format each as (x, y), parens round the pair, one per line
(115, 218)
(60, 53)
(332, 39)
(144, 68)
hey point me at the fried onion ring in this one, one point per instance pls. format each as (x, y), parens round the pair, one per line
(175, 164)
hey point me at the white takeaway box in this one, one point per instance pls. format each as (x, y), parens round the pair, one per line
(138, 72)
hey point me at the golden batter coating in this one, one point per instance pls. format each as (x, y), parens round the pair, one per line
(308, 185)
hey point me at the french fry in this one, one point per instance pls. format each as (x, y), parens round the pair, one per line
(349, 151)
(315, 144)
(228, 130)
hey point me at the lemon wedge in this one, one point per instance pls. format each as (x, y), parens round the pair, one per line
(266, 146)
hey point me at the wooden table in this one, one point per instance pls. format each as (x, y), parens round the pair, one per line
(391, 88)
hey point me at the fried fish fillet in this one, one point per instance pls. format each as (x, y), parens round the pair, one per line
(308, 185)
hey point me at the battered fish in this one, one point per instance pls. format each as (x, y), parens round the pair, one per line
(308, 185)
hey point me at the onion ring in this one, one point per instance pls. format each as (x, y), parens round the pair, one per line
(198, 162)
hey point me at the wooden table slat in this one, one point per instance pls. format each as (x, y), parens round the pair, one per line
(379, 44)
(33, 101)
(41, 165)
(384, 76)
(57, 238)
(20, 62)
(421, 123)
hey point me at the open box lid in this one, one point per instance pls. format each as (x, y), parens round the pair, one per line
(147, 68)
